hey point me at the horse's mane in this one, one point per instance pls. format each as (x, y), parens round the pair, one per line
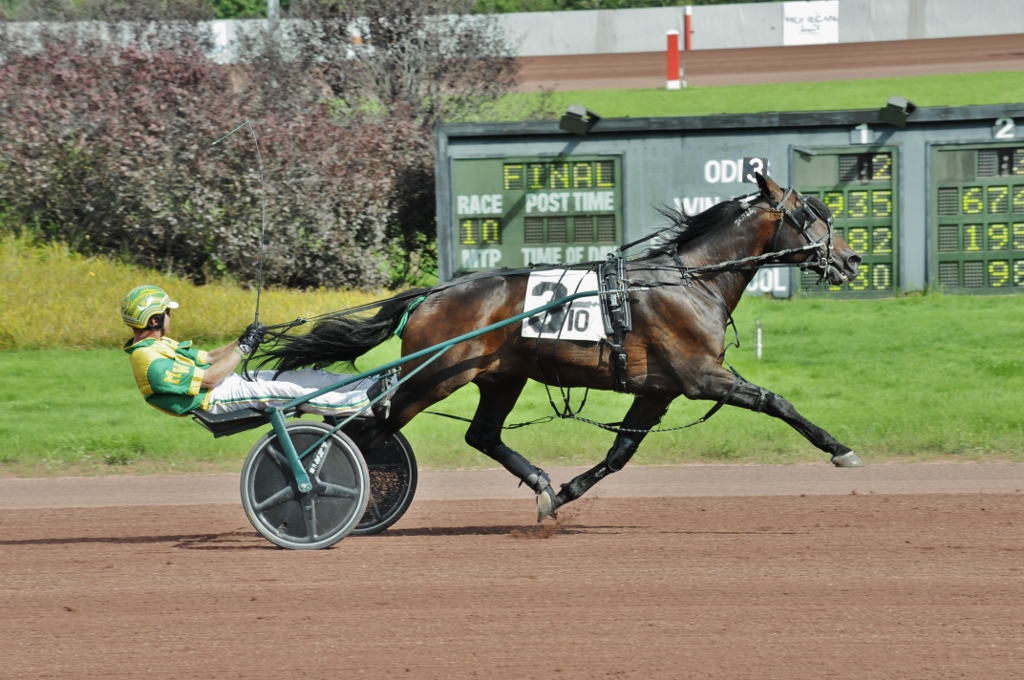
(685, 228)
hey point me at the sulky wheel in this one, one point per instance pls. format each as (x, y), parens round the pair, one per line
(305, 521)
(392, 484)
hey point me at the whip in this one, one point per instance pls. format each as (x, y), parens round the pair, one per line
(263, 206)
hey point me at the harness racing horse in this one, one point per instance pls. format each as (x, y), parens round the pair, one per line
(683, 290)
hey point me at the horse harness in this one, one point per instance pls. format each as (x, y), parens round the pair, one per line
(613, 288)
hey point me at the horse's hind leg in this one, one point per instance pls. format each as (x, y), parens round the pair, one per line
(497, 398)
(645, 413)
(717, 385)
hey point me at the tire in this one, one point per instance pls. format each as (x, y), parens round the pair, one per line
(305, 521)
(393, 476)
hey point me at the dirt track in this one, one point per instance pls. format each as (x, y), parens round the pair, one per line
(780, 64)
(860, 585)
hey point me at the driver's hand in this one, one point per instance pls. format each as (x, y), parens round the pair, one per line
(251, 338)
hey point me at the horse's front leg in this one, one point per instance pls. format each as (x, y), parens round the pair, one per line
(645, 413)
(717, 383)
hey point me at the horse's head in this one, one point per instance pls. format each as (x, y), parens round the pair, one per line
(806, 221)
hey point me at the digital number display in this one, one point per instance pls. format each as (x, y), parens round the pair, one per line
(863, 205)
(515, 212)
(977, 226)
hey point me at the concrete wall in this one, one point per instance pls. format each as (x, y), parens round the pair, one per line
(715, 26)
(754, 25)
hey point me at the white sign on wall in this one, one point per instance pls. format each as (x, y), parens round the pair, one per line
(810, 23)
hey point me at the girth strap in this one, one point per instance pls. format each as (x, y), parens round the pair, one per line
(618, 319)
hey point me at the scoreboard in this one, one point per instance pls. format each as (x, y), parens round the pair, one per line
(977, 217)
(860, 187)
(513, 212)
(929, 197)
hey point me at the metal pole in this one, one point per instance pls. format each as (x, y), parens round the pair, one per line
(758, 343)
(273, 15)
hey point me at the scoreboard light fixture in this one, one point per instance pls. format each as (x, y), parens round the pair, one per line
(896, 111)
(578, 120)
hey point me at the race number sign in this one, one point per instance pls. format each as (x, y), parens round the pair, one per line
(580, 319)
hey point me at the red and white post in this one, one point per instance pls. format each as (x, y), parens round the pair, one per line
(672, 67)
(687, 29)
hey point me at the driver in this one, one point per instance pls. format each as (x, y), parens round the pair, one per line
(177, 378)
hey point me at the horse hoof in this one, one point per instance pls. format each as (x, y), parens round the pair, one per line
(547, 503)
(848, 459)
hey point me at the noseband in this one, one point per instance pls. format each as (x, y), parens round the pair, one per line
(801, 219)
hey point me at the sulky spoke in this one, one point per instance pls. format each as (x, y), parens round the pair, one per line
(374, 510)
(337, 490)
(309, 514)
(283, 496)
(278, 457)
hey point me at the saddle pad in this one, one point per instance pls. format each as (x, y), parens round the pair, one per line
(581, 319)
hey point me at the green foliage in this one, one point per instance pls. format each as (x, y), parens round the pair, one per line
(244, 9)
(923, 377)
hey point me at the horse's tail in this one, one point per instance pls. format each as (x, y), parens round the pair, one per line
(337, 338)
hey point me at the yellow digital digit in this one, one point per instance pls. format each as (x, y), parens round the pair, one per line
(882, 241)
(558, 176)
(881, 203)
(881, 277)
(605, 174)
(835, 202)
(972, 202)
(1018, 199)
(466, 228)
(972, 237)
(1018, 235)
(881, 166)
(997, 199)
(857, 238)
(582, 176)
(998, 273)
(490, 231)
(537, 175)
(1018, 273)
(858, 204)
(512, 176)
(861, 282)
(998, 236)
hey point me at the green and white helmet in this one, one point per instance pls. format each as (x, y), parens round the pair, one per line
(144, 302)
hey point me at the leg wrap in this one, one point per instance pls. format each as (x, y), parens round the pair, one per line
(620, 453)
(514, 463)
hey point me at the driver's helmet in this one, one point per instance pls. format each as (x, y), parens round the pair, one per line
(143, 303)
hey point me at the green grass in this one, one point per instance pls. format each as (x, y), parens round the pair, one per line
(998, 87)
(914, 378)
(919, 377)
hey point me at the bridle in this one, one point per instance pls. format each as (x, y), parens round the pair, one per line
(801, 219)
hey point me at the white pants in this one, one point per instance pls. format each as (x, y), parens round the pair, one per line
(235, 392)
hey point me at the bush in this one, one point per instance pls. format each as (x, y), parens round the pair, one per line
(106, 143)
(111, 152)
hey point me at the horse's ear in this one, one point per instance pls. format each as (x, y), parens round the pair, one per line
(769, 189)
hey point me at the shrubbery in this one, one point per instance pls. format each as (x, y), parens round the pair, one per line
(107, 144)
